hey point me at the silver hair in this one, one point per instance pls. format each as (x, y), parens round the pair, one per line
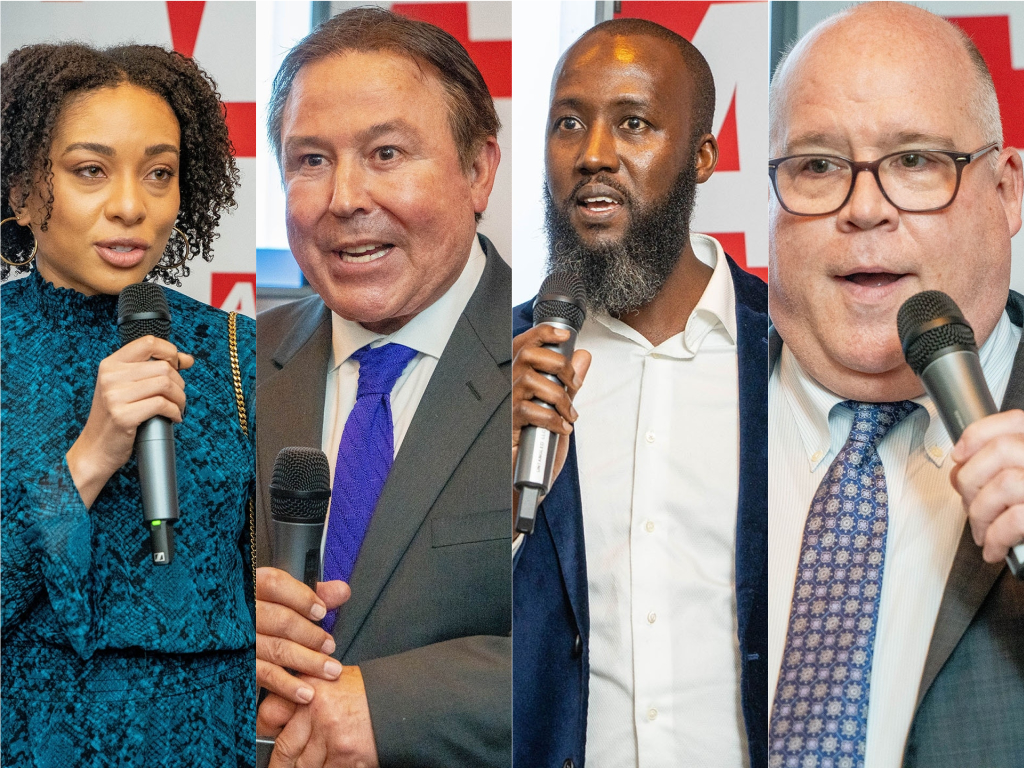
(984, 103)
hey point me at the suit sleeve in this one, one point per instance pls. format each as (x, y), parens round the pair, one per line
(449, 703)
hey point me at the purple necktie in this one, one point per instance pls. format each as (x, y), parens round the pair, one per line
(365, 456)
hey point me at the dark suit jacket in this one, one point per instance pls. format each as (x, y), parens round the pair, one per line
(970, 703)
(430, 615)
(550, 599)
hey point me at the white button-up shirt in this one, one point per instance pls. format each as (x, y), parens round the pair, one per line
(658, 449)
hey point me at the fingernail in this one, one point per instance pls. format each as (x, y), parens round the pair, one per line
(304, 695)
(332, 669)
(577, 382)
(328, 646)
(317, 612)
(572, 412)
(566, 426)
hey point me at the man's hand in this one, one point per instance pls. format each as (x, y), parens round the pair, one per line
(287, 635)
(989, 475)
(531, 361)
(333, 732)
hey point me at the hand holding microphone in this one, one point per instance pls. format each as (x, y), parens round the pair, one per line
(940, 348)
(546, 374)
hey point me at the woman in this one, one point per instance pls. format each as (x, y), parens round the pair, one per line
(116, 167)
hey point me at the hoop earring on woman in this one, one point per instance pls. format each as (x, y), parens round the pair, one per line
(31, 256)
(188, 250)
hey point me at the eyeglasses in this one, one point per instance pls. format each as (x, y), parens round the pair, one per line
(914, 180)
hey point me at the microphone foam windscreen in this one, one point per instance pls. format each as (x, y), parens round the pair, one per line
(301, 486)
(920, 342)
(562, 298)
(142, 299)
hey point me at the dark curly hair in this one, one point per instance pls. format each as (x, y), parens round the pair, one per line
(38, 81)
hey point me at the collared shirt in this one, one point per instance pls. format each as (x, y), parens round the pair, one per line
(657, 442)
(427, 333)
(926, 518)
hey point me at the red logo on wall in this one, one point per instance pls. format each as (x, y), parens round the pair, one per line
(234, 292)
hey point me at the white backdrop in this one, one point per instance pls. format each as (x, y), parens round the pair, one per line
(219, 36)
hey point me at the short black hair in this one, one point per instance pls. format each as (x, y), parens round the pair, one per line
(39, 81)
(471, 113)
(702, 111)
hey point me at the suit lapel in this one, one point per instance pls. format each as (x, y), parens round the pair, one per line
(971, 578)
(291, 399)
(467, 386)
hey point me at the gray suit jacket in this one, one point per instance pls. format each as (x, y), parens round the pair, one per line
(430, 616)
(970, 703)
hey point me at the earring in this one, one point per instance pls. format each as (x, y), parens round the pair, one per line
(188, 250)
(31, 256)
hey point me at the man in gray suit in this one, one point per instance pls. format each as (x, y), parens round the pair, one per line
(386, 138)
(895, 627)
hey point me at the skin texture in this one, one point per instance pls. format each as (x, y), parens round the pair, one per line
(367, 160)
(372, 161)
(122, 187)
(620, 121)
(881, 79)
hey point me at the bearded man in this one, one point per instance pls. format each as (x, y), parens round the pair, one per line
(640, 599)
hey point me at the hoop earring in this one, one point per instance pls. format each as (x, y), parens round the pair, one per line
(188, 250)
(31, 256)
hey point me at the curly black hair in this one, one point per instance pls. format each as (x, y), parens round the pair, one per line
(38, 81)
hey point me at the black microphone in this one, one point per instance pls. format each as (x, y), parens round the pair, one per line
(300, 494)
(939, 347)
(142, 311)
(561, 303)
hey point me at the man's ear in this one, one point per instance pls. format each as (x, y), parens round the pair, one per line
(482, 172)
(707, 157)
(1010, 185)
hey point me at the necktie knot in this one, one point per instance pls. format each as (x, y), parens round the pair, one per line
(380, 367)
(871, 421)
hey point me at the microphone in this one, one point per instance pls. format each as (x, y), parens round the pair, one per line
(939, 347)
(300, 493)
(561, 303)
(142, 311)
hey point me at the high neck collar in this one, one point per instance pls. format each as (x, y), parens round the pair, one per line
(66, 306)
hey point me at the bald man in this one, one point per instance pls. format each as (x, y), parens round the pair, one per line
(640, 598)
(896, 631)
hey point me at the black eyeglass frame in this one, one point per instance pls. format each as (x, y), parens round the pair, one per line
(960, 159)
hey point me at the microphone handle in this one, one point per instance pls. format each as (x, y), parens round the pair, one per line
(297, 550)
(957, 386)
(154, 451)
(537, 447)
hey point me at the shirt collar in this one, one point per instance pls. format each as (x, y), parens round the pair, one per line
(428, 332)
(715, 309)
(812, 405)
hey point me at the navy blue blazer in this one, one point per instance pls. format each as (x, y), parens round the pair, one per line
(551, 614)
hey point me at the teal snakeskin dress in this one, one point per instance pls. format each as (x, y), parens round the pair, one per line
(109, 660)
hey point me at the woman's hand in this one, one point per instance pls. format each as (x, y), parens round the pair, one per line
(137, 382)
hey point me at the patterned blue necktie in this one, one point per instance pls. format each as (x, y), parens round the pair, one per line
(819, 717)
(365, 455)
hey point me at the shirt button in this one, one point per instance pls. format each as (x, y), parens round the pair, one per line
(649, 437)
(935, 452)
(652, 617)
(649, 526)
(816, 456)
(652, 714)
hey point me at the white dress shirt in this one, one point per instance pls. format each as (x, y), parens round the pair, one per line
(427, 333)
(657, 443)
(926, 518)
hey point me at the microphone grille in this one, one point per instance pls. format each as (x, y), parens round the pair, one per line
(563, 298)
(928, 322)
(301, 485)
(142, 298)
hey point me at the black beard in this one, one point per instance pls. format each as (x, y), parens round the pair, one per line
(621, 277)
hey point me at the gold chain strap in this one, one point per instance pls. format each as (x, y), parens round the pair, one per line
(236, 375)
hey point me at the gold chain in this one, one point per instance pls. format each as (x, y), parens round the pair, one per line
(236, 375)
